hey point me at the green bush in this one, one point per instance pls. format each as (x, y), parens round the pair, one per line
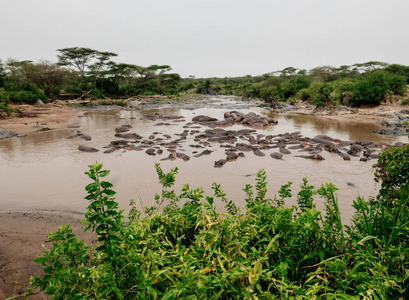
(397, 84)
(392, 170)
(341, 90)
(29, 97)
(263, 251)
(318, 93)
(370, 90)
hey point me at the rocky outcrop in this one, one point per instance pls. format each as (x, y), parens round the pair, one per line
(394, 131)
(396, 120)
(5, 134)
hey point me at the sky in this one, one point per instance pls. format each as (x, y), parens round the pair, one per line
(212, 38)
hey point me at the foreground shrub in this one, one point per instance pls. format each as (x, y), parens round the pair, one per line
(183, 248)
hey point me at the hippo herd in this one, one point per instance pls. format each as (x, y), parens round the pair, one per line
(235, 143)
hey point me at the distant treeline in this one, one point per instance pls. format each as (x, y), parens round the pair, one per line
(360, 84)
(84, 71)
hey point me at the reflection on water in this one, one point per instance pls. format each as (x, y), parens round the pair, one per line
(46, 171)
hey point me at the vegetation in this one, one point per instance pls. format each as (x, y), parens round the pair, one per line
(183, 248)
(92, 73)
(82, 71)
(360, 84)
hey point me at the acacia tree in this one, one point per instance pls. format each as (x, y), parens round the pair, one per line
(157, 70)
(125, 72)
(82, 59)
(76, 57)
(99, 68)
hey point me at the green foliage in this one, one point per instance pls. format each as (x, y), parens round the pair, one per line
(397, 84)
(392, 170)
(266, 251)
(370, 90)
(30, 97)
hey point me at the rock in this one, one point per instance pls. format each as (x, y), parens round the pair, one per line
(3, 114)
(395, 131)
(40, 103)
(396, 120)
(7, 134)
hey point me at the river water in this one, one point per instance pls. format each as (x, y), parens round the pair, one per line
(45, 171)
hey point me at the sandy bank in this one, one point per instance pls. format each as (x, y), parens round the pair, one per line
(22, 235)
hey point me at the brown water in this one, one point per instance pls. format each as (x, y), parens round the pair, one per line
(45, 171)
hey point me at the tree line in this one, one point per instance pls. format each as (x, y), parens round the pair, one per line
(359, 84)
(82, 70)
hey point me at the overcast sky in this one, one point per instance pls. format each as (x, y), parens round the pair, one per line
(212, 38)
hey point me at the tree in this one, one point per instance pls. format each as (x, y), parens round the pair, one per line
(157, 70)
(76, 57)
(16, 73)
(46, 75)
(102, 64)
(125, 72)
(2, 74)
(370, 66)
(324, 73)
(370, 90)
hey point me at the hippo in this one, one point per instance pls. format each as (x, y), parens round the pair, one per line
(257, 152)
(151, 151)
(220, 163)
(315, 156)
(202, 118)
(110, 150)
(182, 156)
(205, 152)
(72, 136)
(283, 150)
(231, 155)
(134, 148)
(344, 156)
(85, 137)
(172, 156)
(87, 149)
(128, 136)
(123, 128)
(276, 155)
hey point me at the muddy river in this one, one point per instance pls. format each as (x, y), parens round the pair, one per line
(45, 171)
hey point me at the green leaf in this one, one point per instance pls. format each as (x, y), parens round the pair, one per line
(106, 184)
(41, 260)
(104, 173)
